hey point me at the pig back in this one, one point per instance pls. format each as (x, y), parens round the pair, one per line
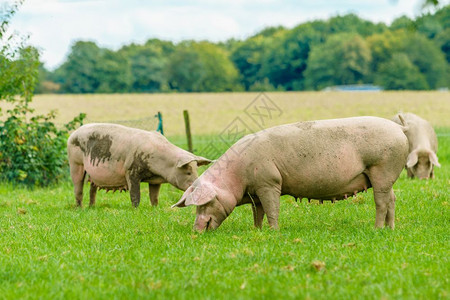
(325, 155)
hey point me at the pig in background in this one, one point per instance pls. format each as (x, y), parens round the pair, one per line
(116, 157)
(423, 146)
(325, 160)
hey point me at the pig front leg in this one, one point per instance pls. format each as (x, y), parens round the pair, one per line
(409, 173)
(154, 193)
(258, 214)
(92, 194)
(270, 202)
(134, 185)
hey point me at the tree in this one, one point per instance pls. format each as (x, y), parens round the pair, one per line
(429, 26)
(249, 56)
(32, 148)
(431, 3)
(91, 69)
(443, 16)
(112, 70)
(285, 58)
(343, 59)
(45, 83)
(403, 22)
(77, 74)
(421, 52)
(427, 56)
(148, 65)
(201, 67)
(353, 23)
(383, 45)
(443, 42)
(399, 73)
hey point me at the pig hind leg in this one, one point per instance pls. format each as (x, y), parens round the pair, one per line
(77, 173)
(382, 182)
(385, 206)
(390, 215)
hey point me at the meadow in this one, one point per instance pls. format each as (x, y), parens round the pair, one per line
(51, 249)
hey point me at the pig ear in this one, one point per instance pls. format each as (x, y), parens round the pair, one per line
(181, 202)
(197, 196)
(201, 161)
(412, 159)
(434, 159)
(183, 161)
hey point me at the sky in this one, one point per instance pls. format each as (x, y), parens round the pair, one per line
(54, 25)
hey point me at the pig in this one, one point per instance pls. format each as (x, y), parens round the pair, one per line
(324, 160)
(116, 157)
(423, 146)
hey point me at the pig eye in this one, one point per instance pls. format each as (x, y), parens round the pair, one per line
(189, 173)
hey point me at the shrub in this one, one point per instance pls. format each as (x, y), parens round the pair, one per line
(32, 148)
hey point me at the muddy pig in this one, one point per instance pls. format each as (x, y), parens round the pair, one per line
(116, 157)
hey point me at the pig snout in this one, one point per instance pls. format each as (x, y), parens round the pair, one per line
(205, 223)
(422, 170)
(202, 223)
(424, 177)
(185, 185)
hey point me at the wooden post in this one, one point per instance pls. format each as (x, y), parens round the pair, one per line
(188, 130)
(160, 123)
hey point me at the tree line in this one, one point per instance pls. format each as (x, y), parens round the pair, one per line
(411, 54)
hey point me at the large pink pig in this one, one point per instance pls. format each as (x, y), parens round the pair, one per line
(325, 160)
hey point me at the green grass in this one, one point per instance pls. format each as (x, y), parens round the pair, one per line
(52, 250)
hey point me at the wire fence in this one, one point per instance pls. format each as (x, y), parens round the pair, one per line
(148, 123)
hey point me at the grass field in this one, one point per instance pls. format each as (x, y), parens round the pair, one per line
(50, 249)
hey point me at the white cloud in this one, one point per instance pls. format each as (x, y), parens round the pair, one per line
(55, 24)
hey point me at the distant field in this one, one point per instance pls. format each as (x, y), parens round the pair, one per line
(211, 113)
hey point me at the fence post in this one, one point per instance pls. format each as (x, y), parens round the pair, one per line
(188, 130)
(160, 123)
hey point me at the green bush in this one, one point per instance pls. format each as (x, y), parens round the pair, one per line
(32, 148)
(33, 152)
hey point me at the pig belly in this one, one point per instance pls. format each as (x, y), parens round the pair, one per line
(332, 174)
(106, 174)
(335, 190)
